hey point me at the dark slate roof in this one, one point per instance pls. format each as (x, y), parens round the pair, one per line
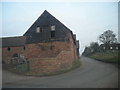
(13, 41)
(45, 21)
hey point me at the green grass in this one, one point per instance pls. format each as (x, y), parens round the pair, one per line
(111, 57)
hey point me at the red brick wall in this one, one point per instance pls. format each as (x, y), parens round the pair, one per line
(7, 55)
(46, 65)
(43, 59)
(61, 57)
(44, 49)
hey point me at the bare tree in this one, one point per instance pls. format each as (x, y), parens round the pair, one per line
(108, 37)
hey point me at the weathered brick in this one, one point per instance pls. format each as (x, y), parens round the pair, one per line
(42, 58)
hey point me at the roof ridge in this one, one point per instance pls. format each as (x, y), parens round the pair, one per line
(13, 37)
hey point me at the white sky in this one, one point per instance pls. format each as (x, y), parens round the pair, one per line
(86, 19)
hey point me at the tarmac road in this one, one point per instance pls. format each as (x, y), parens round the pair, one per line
(91, 74)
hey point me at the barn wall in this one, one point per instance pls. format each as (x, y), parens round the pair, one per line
(7, 55)
(61, 57)
(48, 49)
(46, 65)
(45, 57)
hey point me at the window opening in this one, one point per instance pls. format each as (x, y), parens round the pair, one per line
(38, 29)
(111, 47)
(9, 48)
(52, 34)
(24, 48)
(53, 28)
(15, 55)
(117, 48)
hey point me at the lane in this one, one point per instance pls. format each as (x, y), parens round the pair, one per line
(91, 74)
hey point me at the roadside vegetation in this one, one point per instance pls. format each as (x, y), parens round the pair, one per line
(111, 57)
(108, 51)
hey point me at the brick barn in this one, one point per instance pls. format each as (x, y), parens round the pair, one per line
(47, 46)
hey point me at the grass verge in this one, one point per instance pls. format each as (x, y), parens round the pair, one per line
(110, 57)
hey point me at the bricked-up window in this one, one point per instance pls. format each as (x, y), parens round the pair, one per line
(8, 48)
(53, 28)
(38, 29)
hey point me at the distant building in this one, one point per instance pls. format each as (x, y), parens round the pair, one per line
(47, 46)
(110, 46)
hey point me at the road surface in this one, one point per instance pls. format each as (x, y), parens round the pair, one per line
(91, 74)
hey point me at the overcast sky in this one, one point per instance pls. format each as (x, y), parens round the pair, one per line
(86, 19)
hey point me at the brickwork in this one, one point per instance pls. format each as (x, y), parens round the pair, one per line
(8, 54)
(61, 60)
(48, 49)
(47, 65)
(45, 57)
